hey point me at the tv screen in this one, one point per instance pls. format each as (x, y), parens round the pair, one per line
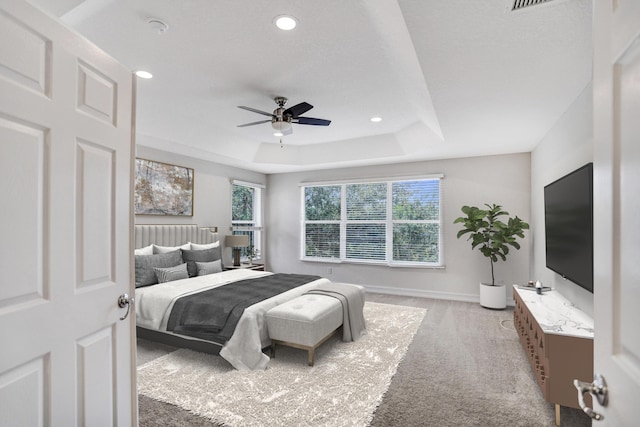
(568, 216)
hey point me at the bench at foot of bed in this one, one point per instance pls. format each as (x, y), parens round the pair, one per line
(309, 320)
(304, 322)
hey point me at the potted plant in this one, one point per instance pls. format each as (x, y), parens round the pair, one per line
(492, 236)
(252, 253)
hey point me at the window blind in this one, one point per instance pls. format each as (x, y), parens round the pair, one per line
(394, 221)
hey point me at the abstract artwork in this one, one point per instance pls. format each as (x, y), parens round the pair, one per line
(163, 189)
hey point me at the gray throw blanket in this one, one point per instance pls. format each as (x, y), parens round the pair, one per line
(214, 313)
(352, 299)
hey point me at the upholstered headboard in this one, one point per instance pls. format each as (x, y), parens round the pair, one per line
(173, 235)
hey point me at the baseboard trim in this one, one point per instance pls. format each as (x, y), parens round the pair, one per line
(407, 292)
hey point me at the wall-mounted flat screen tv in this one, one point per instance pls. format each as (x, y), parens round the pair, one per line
(568, 217)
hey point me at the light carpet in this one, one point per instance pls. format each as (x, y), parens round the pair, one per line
(344, 387)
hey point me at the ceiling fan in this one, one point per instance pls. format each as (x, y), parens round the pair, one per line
(281, 118)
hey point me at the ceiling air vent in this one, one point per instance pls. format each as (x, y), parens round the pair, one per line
(521, 4)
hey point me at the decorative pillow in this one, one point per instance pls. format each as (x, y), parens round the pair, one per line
(145, 275)
(164, 249)
(197, 247)
(205, 255)
(147, 250)
(205, 268)
(171, 273)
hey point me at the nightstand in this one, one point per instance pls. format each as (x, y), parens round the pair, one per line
(257, 267)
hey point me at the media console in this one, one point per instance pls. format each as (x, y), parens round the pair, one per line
(558, 340)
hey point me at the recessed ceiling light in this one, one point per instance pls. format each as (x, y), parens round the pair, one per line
(144, 74)
(376, 119)
(285, 22)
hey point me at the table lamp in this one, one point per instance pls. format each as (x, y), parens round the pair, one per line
(236, 241)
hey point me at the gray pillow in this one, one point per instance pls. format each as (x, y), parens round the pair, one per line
(205, 268)
(206, 255)
(170, 274)
(145, 275)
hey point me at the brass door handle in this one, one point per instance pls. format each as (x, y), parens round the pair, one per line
(598, 389)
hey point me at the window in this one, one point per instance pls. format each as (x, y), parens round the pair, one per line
(395, 222)
(246, 215)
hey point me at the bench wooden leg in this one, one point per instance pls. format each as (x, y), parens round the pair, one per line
(557, 415)
(311, 350)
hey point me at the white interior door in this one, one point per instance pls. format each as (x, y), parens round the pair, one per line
(65, 187)
(617, 203)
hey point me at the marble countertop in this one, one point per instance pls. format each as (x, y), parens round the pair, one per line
(555, 314)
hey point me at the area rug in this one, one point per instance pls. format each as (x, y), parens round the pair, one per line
(344, 387)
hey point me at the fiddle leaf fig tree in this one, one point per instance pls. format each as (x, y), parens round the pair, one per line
(489, 233)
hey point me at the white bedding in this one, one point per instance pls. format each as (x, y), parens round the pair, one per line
(244, 348)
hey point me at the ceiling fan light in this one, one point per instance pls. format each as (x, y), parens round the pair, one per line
(376, 119)
(281, 126)
(285, 22)
(278, 133)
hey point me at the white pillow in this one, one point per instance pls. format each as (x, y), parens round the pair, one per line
(164, 249)
(197, 247)
(147, 250)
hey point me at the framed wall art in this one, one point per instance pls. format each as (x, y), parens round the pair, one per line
(163, 189)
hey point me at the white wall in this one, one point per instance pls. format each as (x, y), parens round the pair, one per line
(212, 191)
(566, 147)
(502, 179)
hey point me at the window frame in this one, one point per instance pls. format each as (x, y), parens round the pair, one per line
(389, 222)
(241, 227)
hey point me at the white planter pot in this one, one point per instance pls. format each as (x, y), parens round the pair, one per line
(493, 296)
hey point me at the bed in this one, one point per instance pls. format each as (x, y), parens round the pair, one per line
(155, 301)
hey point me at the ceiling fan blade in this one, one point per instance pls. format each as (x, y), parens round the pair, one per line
(254, 123)
(312, 121)
(297, 109)
(264, 113)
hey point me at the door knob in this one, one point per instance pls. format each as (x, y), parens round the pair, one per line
(598, 389)
(125, 301)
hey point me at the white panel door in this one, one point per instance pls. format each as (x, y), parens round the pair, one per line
(66, 156)
(617, 203)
